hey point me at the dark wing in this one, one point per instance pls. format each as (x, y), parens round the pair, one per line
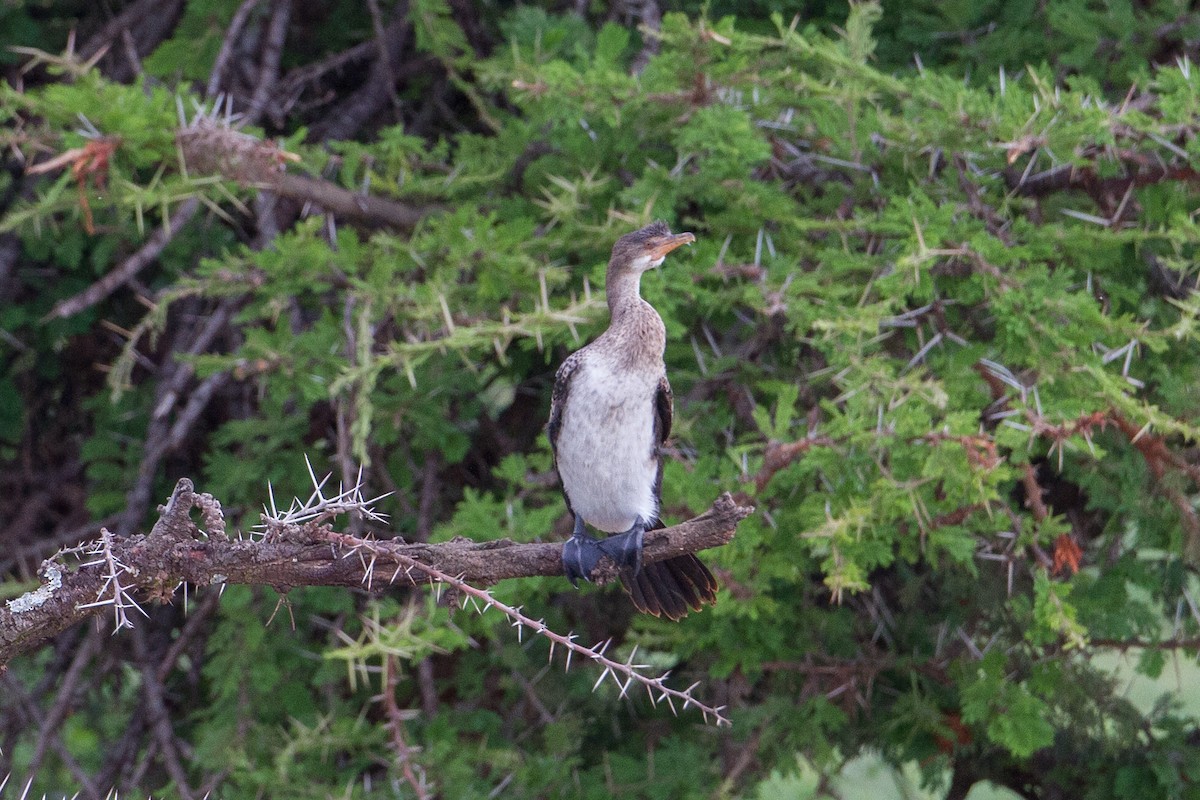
(558, 398)
(664, 409)
(558, 405)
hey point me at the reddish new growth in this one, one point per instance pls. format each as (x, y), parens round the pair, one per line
(954, 734)
(1066, 555)
(88, 161)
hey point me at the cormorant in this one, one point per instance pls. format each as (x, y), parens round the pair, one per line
(610, 414)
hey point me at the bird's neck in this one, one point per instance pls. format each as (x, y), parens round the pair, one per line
(635, 328)
(624, 292)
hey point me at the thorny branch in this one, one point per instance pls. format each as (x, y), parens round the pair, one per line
(482, 600)
(297, 548)
(211, 145)
(395, 726)
(982, 453)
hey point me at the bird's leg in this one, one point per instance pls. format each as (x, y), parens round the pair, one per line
(580, 554)
(625, 549)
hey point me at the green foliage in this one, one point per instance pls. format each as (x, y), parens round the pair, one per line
(190, 53)
(913, 301)
(1014, 718)
(1113, 41)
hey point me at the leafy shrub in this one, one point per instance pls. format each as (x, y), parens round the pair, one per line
(942, 334)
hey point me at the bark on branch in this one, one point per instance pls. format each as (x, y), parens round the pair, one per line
(152, 566)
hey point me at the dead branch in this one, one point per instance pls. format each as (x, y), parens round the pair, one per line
(148, 23)
(375, 93)
(129, 268)
(1034, 493)
(159, 718)
(210, 147)
(985, 213)
(1086, 179)
(234, 30)
(625, 674)
(154, 565)
(272, 52)
(362, 208)
(404, 752)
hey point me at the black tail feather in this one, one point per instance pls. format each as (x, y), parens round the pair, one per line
(668, 588)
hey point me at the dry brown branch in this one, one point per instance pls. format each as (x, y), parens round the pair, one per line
(779, 456)
(987, 214)
(130, 267)
(625, 674)
(310, 554)
(272, 52)
(1159, 458)
(367, 209)
(236, 24)
(210, 147)
(1070, 176)
(1034, 493)
(405, 760)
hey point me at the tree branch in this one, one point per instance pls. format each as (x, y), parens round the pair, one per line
(272, 52)
(232, 32)
(308, 554)
(374, 94)
(130, 267)
(368, 209)
(148, 22)
(212, 148)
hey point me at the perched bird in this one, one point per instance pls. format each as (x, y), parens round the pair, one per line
(610, 414)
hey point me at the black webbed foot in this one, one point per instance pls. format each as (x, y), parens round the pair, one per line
(580, 554)
(625, 549)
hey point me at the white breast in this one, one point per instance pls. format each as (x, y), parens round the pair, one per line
(606, 452)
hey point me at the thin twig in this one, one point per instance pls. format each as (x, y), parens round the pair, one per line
(231, 35)
(272, 52)
(413, 773)
(623, 673)
(129, 268)
(160, 718)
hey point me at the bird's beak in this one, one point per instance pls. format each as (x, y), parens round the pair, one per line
(669, 243)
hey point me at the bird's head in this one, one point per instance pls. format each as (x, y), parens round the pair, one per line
(645, 249)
